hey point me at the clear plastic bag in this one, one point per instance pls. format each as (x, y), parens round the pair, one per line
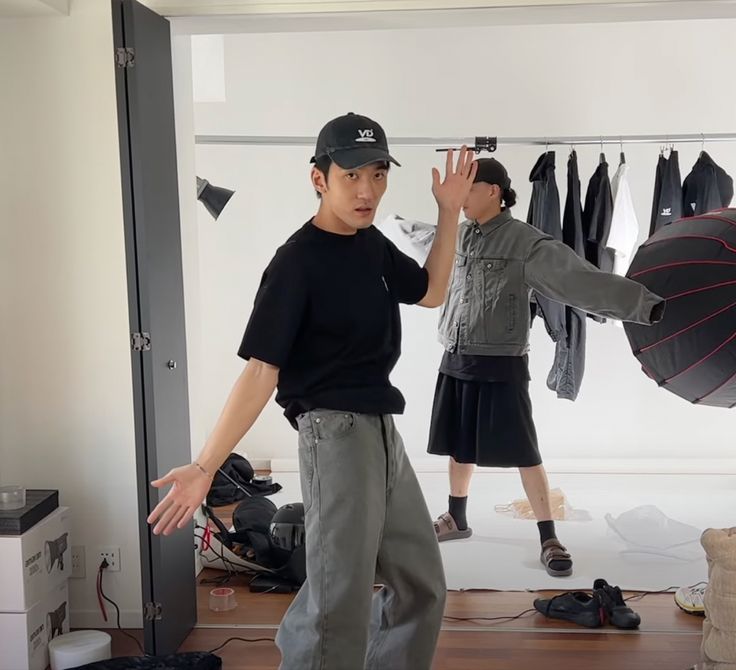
(561, 509)
(648, 530)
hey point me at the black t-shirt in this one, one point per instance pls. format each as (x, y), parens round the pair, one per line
(472, 368)
(327, 315)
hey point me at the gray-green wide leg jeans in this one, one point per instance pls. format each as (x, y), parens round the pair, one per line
(366, 523)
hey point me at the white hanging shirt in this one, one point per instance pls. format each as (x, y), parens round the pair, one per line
(624, 225)
(414, 238)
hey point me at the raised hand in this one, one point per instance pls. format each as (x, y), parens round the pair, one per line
(451, 192)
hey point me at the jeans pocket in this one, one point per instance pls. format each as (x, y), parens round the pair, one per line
(333, 425)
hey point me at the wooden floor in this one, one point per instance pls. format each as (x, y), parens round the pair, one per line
(481, 650)
(658, 612)
(668, 638)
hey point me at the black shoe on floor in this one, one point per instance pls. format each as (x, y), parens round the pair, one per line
(576, 606)
(617, 611)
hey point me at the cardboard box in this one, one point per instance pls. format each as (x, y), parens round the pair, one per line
(34, 563)
(25, 636)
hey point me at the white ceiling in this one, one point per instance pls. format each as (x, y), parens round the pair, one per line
(30, 8)
(597, 12)
(260, 7)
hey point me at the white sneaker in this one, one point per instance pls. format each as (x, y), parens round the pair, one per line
(690, 598)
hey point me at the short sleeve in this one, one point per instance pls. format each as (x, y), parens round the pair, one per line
(278, 312)
(406, 279)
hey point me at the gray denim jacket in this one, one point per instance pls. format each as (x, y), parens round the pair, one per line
(498, 264)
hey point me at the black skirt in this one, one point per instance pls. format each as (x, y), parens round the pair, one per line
(486, 423)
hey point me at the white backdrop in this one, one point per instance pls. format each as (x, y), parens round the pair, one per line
(526, 80)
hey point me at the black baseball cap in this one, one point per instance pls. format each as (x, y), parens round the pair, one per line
(353, 141)
(490, 171)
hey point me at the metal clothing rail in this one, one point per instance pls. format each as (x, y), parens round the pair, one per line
(486, 143)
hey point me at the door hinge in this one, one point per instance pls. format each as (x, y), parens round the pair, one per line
(152, 611)
(125, 57)
(140, 341)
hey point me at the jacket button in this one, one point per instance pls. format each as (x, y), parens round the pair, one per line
(469, 277)
(489, 266)
(462, 300)
(455, 324)
(477, 231)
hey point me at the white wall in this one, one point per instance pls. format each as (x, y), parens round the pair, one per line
(66, 414)
(528, 80)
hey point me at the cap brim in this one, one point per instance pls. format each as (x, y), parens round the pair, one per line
(352, 159)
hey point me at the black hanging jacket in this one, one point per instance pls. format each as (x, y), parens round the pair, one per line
(597, 217)
(566, 375)
(544, 214)
(667, 200)
(706, 188)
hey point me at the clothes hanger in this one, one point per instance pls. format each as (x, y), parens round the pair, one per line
(623, 155)
(602, 157)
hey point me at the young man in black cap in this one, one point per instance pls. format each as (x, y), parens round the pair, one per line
(482, 413)
(325, 331)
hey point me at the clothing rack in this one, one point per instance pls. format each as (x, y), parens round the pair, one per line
(487, 143)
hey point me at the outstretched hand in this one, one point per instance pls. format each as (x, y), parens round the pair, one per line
(189, 488)
(452, 192)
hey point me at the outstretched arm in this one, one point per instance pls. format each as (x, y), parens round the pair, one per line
(190, 483)
(557, 272)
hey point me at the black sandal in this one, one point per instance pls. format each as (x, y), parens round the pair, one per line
(556, 559)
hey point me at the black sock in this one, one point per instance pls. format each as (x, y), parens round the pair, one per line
(546, 530)
(457, 511)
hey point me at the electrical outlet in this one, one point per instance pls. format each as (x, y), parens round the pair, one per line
(112, 556)
(79, 565)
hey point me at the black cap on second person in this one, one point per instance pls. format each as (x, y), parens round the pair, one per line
(491, 171)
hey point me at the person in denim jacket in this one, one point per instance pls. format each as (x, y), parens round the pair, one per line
(482, 412)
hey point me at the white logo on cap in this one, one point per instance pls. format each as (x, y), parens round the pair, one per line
(365, 135)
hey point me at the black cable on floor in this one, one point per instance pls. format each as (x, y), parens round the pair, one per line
(493, 618)
(103, 567)
(635, 597)
(241, 639)
(232, 569)
(644, 594)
